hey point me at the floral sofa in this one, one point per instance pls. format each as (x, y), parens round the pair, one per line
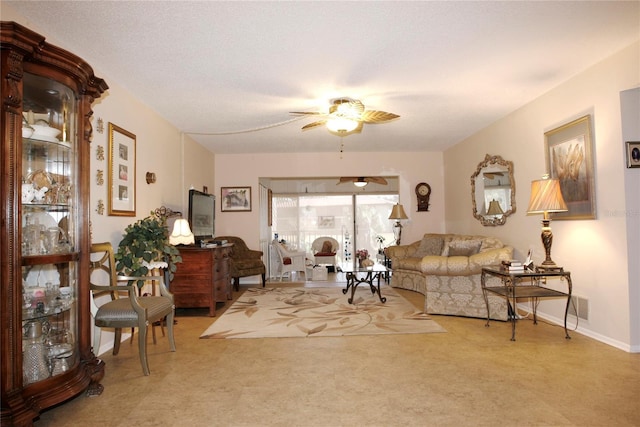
(446, 269)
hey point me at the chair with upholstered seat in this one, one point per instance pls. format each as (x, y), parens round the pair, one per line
(325, 250)
(124, 308)
(290, 261)
(244, 262)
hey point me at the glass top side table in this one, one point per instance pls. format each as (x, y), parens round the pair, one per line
(527, 284)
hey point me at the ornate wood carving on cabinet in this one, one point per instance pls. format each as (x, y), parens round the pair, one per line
(45, 130)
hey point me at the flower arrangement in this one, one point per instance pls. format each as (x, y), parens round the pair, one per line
(362, 254)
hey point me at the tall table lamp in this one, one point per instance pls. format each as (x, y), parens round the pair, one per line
(546, 197)
(398, 214)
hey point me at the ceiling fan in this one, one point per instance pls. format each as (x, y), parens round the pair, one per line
(361, 181)
(346, 116)
(492, 175)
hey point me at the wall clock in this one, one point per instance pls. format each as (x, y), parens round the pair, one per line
(423, 191)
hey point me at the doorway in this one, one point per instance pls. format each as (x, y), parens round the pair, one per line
(356, 221)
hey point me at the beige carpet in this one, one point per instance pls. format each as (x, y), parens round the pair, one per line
(305, 312)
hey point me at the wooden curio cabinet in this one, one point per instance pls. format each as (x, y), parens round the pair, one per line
(45, 355)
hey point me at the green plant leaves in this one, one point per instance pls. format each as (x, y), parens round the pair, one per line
(145, 240)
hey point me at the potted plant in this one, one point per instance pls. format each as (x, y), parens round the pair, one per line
(144, 242)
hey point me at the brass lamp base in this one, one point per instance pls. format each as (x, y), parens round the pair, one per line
(549, 268)
(547, 240)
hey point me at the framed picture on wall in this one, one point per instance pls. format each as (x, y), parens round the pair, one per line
(569, 158)
(122, 172)
(633, 154)
(235, 199)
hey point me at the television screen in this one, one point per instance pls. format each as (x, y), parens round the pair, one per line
(202, 215)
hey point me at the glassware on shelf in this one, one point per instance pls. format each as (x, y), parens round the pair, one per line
(54, 240)
(35, 366)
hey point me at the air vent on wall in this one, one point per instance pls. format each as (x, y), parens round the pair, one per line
(579, 307)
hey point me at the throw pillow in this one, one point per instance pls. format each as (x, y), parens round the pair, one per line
(461, 248)
(429, 246)
(327, 247)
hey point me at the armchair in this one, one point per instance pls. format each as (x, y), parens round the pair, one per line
(290, 261)
(125, 308)
(324, 250)
(244, 261)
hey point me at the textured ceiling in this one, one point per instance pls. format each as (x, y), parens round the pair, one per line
(447, 68)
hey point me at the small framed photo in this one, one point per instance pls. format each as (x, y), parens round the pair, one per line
(122, 172)
(633, 154)
(235, 199)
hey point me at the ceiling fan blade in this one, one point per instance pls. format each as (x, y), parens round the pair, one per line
(344, 179)
(314, 125)
(306, 113)
(492, 175)
(376, 179)
(373, 116)
(357, 106)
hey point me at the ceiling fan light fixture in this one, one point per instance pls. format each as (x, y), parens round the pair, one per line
(361, 182)
(341, 125)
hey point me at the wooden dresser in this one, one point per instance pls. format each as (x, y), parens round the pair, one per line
(202, 278)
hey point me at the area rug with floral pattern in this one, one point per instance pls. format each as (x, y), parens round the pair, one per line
(319, 312)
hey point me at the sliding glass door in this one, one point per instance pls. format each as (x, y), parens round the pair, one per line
(354, 221)
(373, 228)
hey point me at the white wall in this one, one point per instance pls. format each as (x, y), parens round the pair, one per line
(157, 150)
(595, 251)
(630, 105)
(245, 170)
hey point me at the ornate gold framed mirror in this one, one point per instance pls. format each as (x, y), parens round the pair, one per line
(493, 191)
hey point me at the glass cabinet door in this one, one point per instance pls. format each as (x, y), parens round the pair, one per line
(49, 228)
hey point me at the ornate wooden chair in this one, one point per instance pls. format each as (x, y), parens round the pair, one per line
(125, 309)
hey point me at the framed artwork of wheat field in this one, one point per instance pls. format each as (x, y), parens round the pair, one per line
(569, 158)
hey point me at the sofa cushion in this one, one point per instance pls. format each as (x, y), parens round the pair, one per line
(408, 263)
(461, 247)
(429, 246)
(490, 243)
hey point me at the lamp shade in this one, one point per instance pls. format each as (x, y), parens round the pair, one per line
(181, 234)
(494, 208)
(546, 196)
(398, 212)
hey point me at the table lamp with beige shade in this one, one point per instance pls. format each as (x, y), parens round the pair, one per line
(546, 197)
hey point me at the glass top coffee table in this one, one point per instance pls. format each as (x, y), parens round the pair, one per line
(358, 275)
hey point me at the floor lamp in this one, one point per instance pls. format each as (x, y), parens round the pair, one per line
(546, 197)
(398, 214)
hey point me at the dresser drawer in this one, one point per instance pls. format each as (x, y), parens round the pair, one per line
(202, 278)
